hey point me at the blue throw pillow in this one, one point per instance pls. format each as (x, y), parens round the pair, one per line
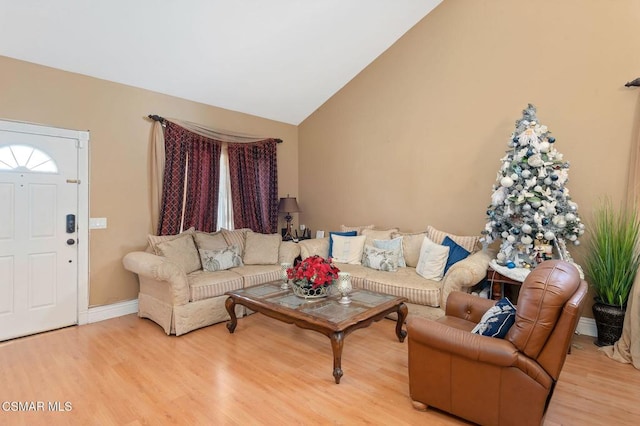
(497, 321)
(456, 253)
(343, 234)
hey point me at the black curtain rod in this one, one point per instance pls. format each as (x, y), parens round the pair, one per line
(155, 117)
(635, 82)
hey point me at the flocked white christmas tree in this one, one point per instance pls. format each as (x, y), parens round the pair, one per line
(531, 210)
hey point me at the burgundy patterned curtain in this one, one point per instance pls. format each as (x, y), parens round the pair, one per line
(191, 182)
(253, 173)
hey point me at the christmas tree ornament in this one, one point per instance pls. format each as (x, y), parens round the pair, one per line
(506, 181)
(531, 211)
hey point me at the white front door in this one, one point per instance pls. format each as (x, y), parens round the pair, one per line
(38, 232)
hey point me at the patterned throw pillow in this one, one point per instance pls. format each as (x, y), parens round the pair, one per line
(433, 259)
(219, 260)
(380, 259)
(394, 244)
(497, 321)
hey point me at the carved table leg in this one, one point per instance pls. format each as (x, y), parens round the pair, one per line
(230, 304)
(402, 316)
(337, 343)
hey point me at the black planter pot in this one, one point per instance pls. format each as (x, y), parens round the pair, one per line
(609, 320)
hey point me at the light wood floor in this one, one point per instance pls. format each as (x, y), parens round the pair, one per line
(126, 371)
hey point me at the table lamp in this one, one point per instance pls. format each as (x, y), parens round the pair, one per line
(288, 205)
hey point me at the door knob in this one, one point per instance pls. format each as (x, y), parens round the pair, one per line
(71, 242)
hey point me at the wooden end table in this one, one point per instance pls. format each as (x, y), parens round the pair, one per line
(325, 315)
(497, 283)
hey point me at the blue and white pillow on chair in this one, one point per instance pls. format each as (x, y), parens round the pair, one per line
(497, 321)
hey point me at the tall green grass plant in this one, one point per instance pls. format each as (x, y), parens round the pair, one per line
(613, 255)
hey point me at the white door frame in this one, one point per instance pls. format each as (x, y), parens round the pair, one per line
(83, 200)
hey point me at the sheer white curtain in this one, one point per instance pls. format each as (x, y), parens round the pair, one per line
(225, 206)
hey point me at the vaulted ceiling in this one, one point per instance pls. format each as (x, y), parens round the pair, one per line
(277, 59)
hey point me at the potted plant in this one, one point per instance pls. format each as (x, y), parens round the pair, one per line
(611, 264)
(312, 277)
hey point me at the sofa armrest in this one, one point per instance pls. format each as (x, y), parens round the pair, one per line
(475, 347)
(157, 268)
(288, 252)
(464, 274)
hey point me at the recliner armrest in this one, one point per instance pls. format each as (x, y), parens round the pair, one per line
(475, 347)
(467, 306)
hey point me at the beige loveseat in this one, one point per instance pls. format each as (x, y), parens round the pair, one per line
(427, 297)
(178, 294)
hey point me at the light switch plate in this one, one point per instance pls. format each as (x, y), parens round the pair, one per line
(97, 223)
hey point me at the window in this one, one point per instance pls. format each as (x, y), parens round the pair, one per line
(23, 158)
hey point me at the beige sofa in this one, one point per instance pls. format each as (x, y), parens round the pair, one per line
(178, 294)
(427, 297)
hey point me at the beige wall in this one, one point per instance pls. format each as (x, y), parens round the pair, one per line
(417, 137)
(120, 133)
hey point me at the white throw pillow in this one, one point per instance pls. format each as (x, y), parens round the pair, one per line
(433, 259)
(348, 249)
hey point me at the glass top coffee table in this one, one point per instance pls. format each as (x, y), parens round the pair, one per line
(325, 315)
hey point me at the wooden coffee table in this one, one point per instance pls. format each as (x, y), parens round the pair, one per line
(325, 315)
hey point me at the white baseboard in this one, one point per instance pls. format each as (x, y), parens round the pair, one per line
(105, 312)
(587, 326)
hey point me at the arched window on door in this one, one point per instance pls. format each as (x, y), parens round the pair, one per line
(24, 158)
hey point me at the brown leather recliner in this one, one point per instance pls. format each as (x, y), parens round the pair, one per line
(494, 381)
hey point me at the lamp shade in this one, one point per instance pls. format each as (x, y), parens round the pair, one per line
(288, 205)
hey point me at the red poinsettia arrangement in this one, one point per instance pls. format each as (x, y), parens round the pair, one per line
(314, 270)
